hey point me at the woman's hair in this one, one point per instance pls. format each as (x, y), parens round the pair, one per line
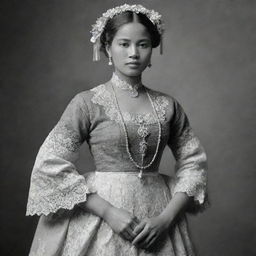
(119, 20)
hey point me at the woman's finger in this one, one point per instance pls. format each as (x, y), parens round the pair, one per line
(140, 236)
(136, 220)
(151, 241)
(139, 228)
(134, 224)
(125, 234)
(129, 230)
(148, 241)
(145, 243)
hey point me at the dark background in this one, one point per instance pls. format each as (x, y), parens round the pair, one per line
(209, 65)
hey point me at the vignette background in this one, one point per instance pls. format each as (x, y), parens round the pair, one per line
(208, 65)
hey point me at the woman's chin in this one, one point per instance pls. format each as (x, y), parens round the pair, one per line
(131, 72)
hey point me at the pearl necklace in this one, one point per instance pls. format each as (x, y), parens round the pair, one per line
(143, 132)
(132, 89)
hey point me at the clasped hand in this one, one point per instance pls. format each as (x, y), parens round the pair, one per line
(141, 233)
(148, 231)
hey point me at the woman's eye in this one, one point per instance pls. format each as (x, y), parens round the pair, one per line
(124, 44)
(144, 45)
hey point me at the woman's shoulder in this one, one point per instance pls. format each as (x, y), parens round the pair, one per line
(162, 96)
(88, 94)
(82, 100)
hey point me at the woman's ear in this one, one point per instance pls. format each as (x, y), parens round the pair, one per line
(108, 50)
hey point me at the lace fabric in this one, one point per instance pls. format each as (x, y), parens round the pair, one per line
(191, 176)
(191, 162)
(57, 187)
(55, 182)
(104, 98)
(88, 235)
(190, 179)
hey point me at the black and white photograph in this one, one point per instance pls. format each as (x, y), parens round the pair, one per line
(128, 128)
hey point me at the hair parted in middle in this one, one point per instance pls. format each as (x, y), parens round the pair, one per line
(126, 17)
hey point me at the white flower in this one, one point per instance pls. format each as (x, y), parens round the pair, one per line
(153, 16)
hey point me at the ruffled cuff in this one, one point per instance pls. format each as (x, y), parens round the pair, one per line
(55, 182)
(68, 194)
(193, 183)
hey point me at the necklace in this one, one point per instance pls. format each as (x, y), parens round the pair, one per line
(132, 89)
(143, 133)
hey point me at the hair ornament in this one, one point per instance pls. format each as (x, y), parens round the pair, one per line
(101, 22)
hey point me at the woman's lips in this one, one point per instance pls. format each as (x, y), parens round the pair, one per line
(133, 64)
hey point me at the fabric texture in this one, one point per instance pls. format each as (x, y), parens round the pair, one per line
(57, 187)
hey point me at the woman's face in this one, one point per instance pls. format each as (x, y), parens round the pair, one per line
(131, 49)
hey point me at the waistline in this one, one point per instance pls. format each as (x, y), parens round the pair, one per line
(128, 173)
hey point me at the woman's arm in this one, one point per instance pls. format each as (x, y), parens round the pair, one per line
(55, 182)
(150, 229)
(189, 188)
(178, 204)
(191, 161)
(96, 205)
(121, 221)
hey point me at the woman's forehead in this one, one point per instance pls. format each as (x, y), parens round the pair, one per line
(132, 30)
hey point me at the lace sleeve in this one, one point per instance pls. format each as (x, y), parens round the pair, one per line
(55, 182)
(191, 161)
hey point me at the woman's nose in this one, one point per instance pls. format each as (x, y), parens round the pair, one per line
(133, 52)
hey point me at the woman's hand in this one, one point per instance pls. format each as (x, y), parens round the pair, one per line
(121, 221)
(149, 230)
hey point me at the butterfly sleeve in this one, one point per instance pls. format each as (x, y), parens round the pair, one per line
(55, 183)
(191, 160)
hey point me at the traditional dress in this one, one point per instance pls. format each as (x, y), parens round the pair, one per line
(57, 188)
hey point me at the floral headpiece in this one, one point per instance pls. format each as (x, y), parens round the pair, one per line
(101, 22)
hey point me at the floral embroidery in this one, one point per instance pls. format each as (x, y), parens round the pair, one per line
(55, 183)
(190, 167)
(88, 235)
(104, 98)
(62, 141)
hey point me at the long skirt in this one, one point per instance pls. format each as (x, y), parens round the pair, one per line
(79, 233)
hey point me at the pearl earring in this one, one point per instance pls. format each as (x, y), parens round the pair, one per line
(110, 63)
(149, 65)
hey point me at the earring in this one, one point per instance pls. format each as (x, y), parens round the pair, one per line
(149, 64)
(110, 63)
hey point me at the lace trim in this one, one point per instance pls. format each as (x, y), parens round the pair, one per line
(193, 184)
(55, 183)
(191, 167)
(88, 235)
(104, 98)
(49, 198)
(62, 141)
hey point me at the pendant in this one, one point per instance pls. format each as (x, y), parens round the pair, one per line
(134, 93)
(140, 174)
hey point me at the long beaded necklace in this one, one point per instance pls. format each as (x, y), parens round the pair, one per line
(143, 133)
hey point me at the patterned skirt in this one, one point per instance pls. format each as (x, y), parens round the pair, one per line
(79, 233)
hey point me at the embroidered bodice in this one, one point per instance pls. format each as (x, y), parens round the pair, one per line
(104, 98)
(92, 116)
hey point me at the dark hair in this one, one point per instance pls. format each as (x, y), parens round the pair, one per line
(119, 20)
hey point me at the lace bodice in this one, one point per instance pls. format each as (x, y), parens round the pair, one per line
(104, 98)
(92, 117)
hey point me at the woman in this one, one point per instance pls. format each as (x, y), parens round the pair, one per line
(125, 207)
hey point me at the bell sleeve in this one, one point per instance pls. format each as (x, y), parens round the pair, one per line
(191, 161)
(55, 183)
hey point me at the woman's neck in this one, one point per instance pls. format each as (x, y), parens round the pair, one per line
(132, 80)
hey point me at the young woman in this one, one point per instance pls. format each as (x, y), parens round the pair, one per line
(126, 207)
